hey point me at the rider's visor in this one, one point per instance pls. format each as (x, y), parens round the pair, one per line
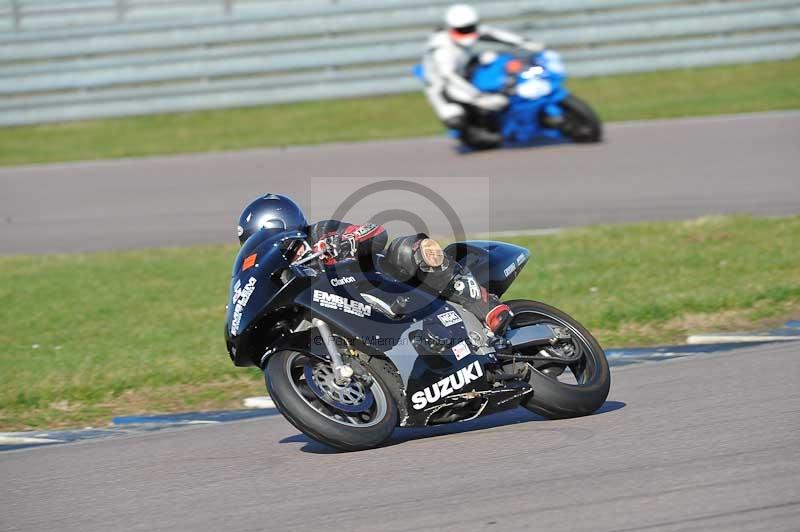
(269, 226)
(465, 33)
(271, 223)
(466, 30)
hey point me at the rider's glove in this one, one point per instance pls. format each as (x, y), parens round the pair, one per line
(492, 102)
(532, 46)
(336, 247)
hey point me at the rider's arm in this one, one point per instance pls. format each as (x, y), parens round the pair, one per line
(369, 238)
(339, 240)
(456, 87)
(492, 34)
(442, 63)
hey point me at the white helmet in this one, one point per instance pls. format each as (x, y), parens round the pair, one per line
(462, 24)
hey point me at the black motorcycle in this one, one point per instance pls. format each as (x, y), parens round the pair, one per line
(350, 353)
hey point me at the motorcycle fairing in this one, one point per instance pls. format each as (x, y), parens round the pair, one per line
(253, 290)
(538, 91)
(521, 123)
(346, 310)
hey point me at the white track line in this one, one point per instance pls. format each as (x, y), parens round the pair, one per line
(702, 339)
(259, 402)
(11, 439)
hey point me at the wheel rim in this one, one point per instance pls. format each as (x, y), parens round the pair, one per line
(583, 370)
(355, 397)
(356, 405)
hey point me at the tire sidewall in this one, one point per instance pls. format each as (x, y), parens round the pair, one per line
(583, 111)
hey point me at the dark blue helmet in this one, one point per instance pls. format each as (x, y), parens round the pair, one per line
(271, 212)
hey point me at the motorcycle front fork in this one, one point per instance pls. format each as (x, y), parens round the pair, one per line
(341, 371)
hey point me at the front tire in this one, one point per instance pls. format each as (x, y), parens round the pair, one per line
(482, 130)
(553, 398)
(581, 123)
(480, 139)
(301, 388)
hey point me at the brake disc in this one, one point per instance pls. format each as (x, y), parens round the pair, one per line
(354, 397)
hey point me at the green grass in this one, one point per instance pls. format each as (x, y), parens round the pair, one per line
(83, 337)
(717, 90)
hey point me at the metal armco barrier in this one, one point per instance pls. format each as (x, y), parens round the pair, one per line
(77, 59)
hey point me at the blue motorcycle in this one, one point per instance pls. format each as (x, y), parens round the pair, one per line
(539, 104)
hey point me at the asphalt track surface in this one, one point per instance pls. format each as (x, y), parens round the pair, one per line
(672, 169)
(708, 443)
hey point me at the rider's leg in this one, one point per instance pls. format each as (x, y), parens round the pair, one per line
(450, 113)
(480, 136)
(422, 258)
(446, 102)
(465, 290)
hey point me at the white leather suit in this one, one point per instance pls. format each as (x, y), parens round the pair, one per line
(445, 62)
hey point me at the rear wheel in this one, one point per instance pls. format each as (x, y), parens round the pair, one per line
(581, 123)
(562, 389)
(359, 415)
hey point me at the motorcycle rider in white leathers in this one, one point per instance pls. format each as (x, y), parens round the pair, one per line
(447, 55)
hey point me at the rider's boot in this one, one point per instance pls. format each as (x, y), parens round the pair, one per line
(479, 136)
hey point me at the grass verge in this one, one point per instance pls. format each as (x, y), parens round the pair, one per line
(85, 337)
(708, 91)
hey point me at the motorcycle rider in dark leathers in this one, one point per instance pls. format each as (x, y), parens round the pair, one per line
(415, 258)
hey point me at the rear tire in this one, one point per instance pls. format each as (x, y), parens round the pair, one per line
(581, 123)
(555, 399)
(285, 387)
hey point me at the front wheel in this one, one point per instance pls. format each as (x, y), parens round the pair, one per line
(581, 123)
(563, 389)
(482, 130)
(359, 415)
(480, 139)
